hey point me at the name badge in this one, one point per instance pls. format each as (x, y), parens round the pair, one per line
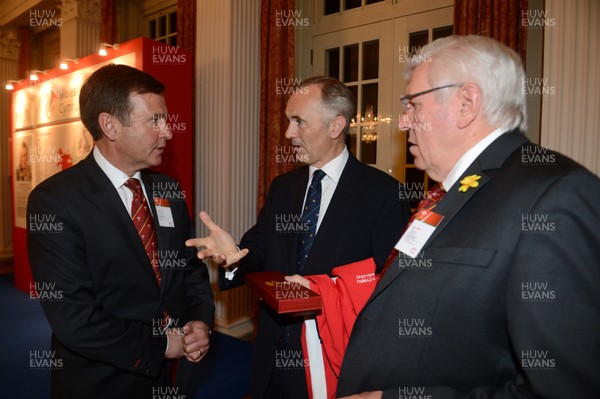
(163, 212)
(418, 232)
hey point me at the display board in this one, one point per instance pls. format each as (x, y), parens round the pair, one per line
(47, 134)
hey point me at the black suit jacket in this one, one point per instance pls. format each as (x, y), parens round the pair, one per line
(363, 220)
(503, 301)
(84, 248)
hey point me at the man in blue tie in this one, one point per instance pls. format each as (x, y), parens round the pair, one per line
(347, 211)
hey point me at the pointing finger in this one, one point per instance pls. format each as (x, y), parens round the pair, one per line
(208, 222)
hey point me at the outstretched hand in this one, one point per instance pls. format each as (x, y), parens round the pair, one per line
(219, 244)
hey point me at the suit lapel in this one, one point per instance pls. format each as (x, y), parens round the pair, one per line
(491, 158)
(162, 236)
(454, 200)
(343, 202)
(297, 192)
(106, 198)
(388, 277)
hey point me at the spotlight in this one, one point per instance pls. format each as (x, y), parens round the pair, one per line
(103, 46)
(9, 85)
(34, 74)
(64, 64)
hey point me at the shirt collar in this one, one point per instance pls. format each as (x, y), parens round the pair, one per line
(116, 176)
(469, 157)
(334, 168)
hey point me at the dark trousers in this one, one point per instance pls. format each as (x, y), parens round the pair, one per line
(288, 377)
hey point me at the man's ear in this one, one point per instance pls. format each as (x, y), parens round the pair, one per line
(337, 126)
(470, 97)
(108, 124)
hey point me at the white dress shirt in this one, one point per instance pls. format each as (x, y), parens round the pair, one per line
(118, 178)
(333, 171)
(469, 157)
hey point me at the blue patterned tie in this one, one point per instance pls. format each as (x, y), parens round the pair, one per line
(310, 215)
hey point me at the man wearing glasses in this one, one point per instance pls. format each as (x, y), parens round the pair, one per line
(505, 300)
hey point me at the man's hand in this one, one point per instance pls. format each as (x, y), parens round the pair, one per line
(219, 244)
(196, 340)
(298, 279)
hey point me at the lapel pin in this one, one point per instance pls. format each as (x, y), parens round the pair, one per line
(468, 182)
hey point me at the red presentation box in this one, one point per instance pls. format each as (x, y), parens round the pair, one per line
(281, 295)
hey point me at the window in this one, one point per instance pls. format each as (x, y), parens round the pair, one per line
(357, 66)
(367, 49)
(335, 6)
(162, 26)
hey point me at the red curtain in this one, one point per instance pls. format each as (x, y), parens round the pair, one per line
(499, 19)
(277, 62)
(108, 29)
(24, 58)
(186, 27)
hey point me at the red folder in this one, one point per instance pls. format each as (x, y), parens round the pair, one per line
(283, 296)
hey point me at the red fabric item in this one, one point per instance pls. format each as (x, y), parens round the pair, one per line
(343, 299)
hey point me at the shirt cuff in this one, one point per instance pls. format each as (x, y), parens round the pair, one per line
(230, 275)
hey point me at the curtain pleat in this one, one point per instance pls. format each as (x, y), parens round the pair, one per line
(24, 53)
(108, 29)
(498, 19)
(186, 26)
(277, 62)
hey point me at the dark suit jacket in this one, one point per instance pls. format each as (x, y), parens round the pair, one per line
(503, 301)
(83, 246)
(363, 220)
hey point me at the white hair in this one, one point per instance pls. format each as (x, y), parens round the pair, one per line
(494, 68)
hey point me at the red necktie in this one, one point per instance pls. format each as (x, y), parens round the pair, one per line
(435, 194)
(144, 224)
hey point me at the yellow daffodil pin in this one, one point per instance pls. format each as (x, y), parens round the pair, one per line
(469, 181)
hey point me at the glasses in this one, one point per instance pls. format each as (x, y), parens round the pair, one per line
(406, 101)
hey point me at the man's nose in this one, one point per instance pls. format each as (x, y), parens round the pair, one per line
(290, 132)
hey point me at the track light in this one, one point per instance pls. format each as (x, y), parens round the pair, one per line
(33, 75)
(103, 46)
(64, 64)
(9, 84)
